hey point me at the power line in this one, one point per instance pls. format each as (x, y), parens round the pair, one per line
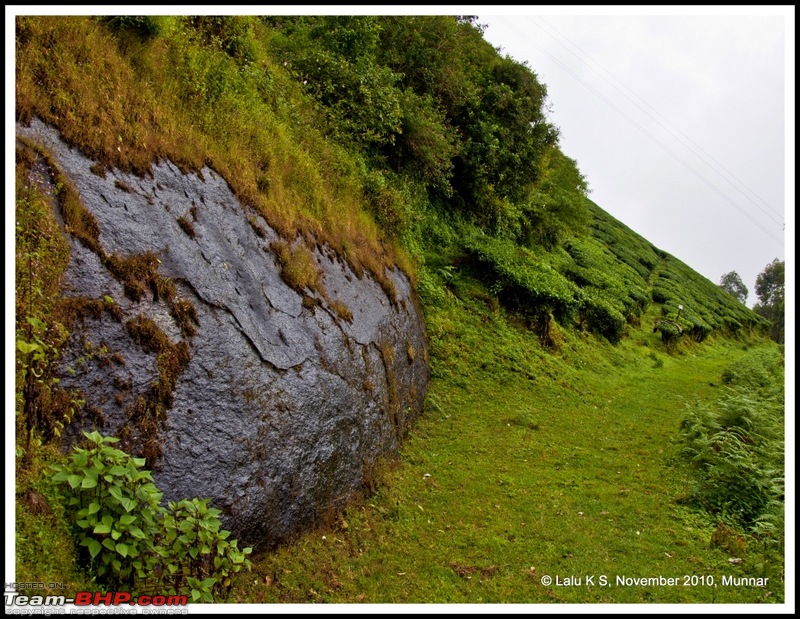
(648, 134)
(682, 134)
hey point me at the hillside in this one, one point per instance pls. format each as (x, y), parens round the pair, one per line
(316, 154)
(408, 150)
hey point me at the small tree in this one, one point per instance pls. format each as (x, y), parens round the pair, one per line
(770, 288)
(734, 286)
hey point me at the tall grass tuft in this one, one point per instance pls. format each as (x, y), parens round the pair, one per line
(130, 92)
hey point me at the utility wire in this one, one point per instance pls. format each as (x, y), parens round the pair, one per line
(647, 133)
(684, 136)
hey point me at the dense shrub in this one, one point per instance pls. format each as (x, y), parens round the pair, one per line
(737, 445)
(131, 541)
(515, 276)
(602, 315)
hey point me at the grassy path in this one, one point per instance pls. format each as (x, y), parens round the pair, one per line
(547, 465)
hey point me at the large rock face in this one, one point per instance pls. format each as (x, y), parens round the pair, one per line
(281, 407)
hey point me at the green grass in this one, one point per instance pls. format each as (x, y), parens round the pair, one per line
(45, 550)
(528, 463)
(128, 100)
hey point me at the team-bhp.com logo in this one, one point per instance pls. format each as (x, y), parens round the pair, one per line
(28, 601)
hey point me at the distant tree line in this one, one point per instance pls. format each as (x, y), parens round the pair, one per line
(770, 288)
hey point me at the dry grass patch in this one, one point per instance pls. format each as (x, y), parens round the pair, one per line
(128, 101)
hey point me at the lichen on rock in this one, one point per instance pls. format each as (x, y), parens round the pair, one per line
(272, 400)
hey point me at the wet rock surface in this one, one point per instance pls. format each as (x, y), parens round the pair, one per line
(283, 407)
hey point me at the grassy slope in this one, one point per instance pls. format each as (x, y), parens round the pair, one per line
(527, 463)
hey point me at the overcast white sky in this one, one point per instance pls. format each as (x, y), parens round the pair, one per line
(677, 116)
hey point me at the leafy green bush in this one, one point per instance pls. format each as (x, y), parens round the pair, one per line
(556, 206)
(609, 264)
(670, 332)
(198, 557)
(334, 58)
(519, 280)
(45, 549)
(131, 540)
(431, 290)
(737, 445)
(144, 25)
(426, 145)
(116, 510)
(601, 315)
(233, 34)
